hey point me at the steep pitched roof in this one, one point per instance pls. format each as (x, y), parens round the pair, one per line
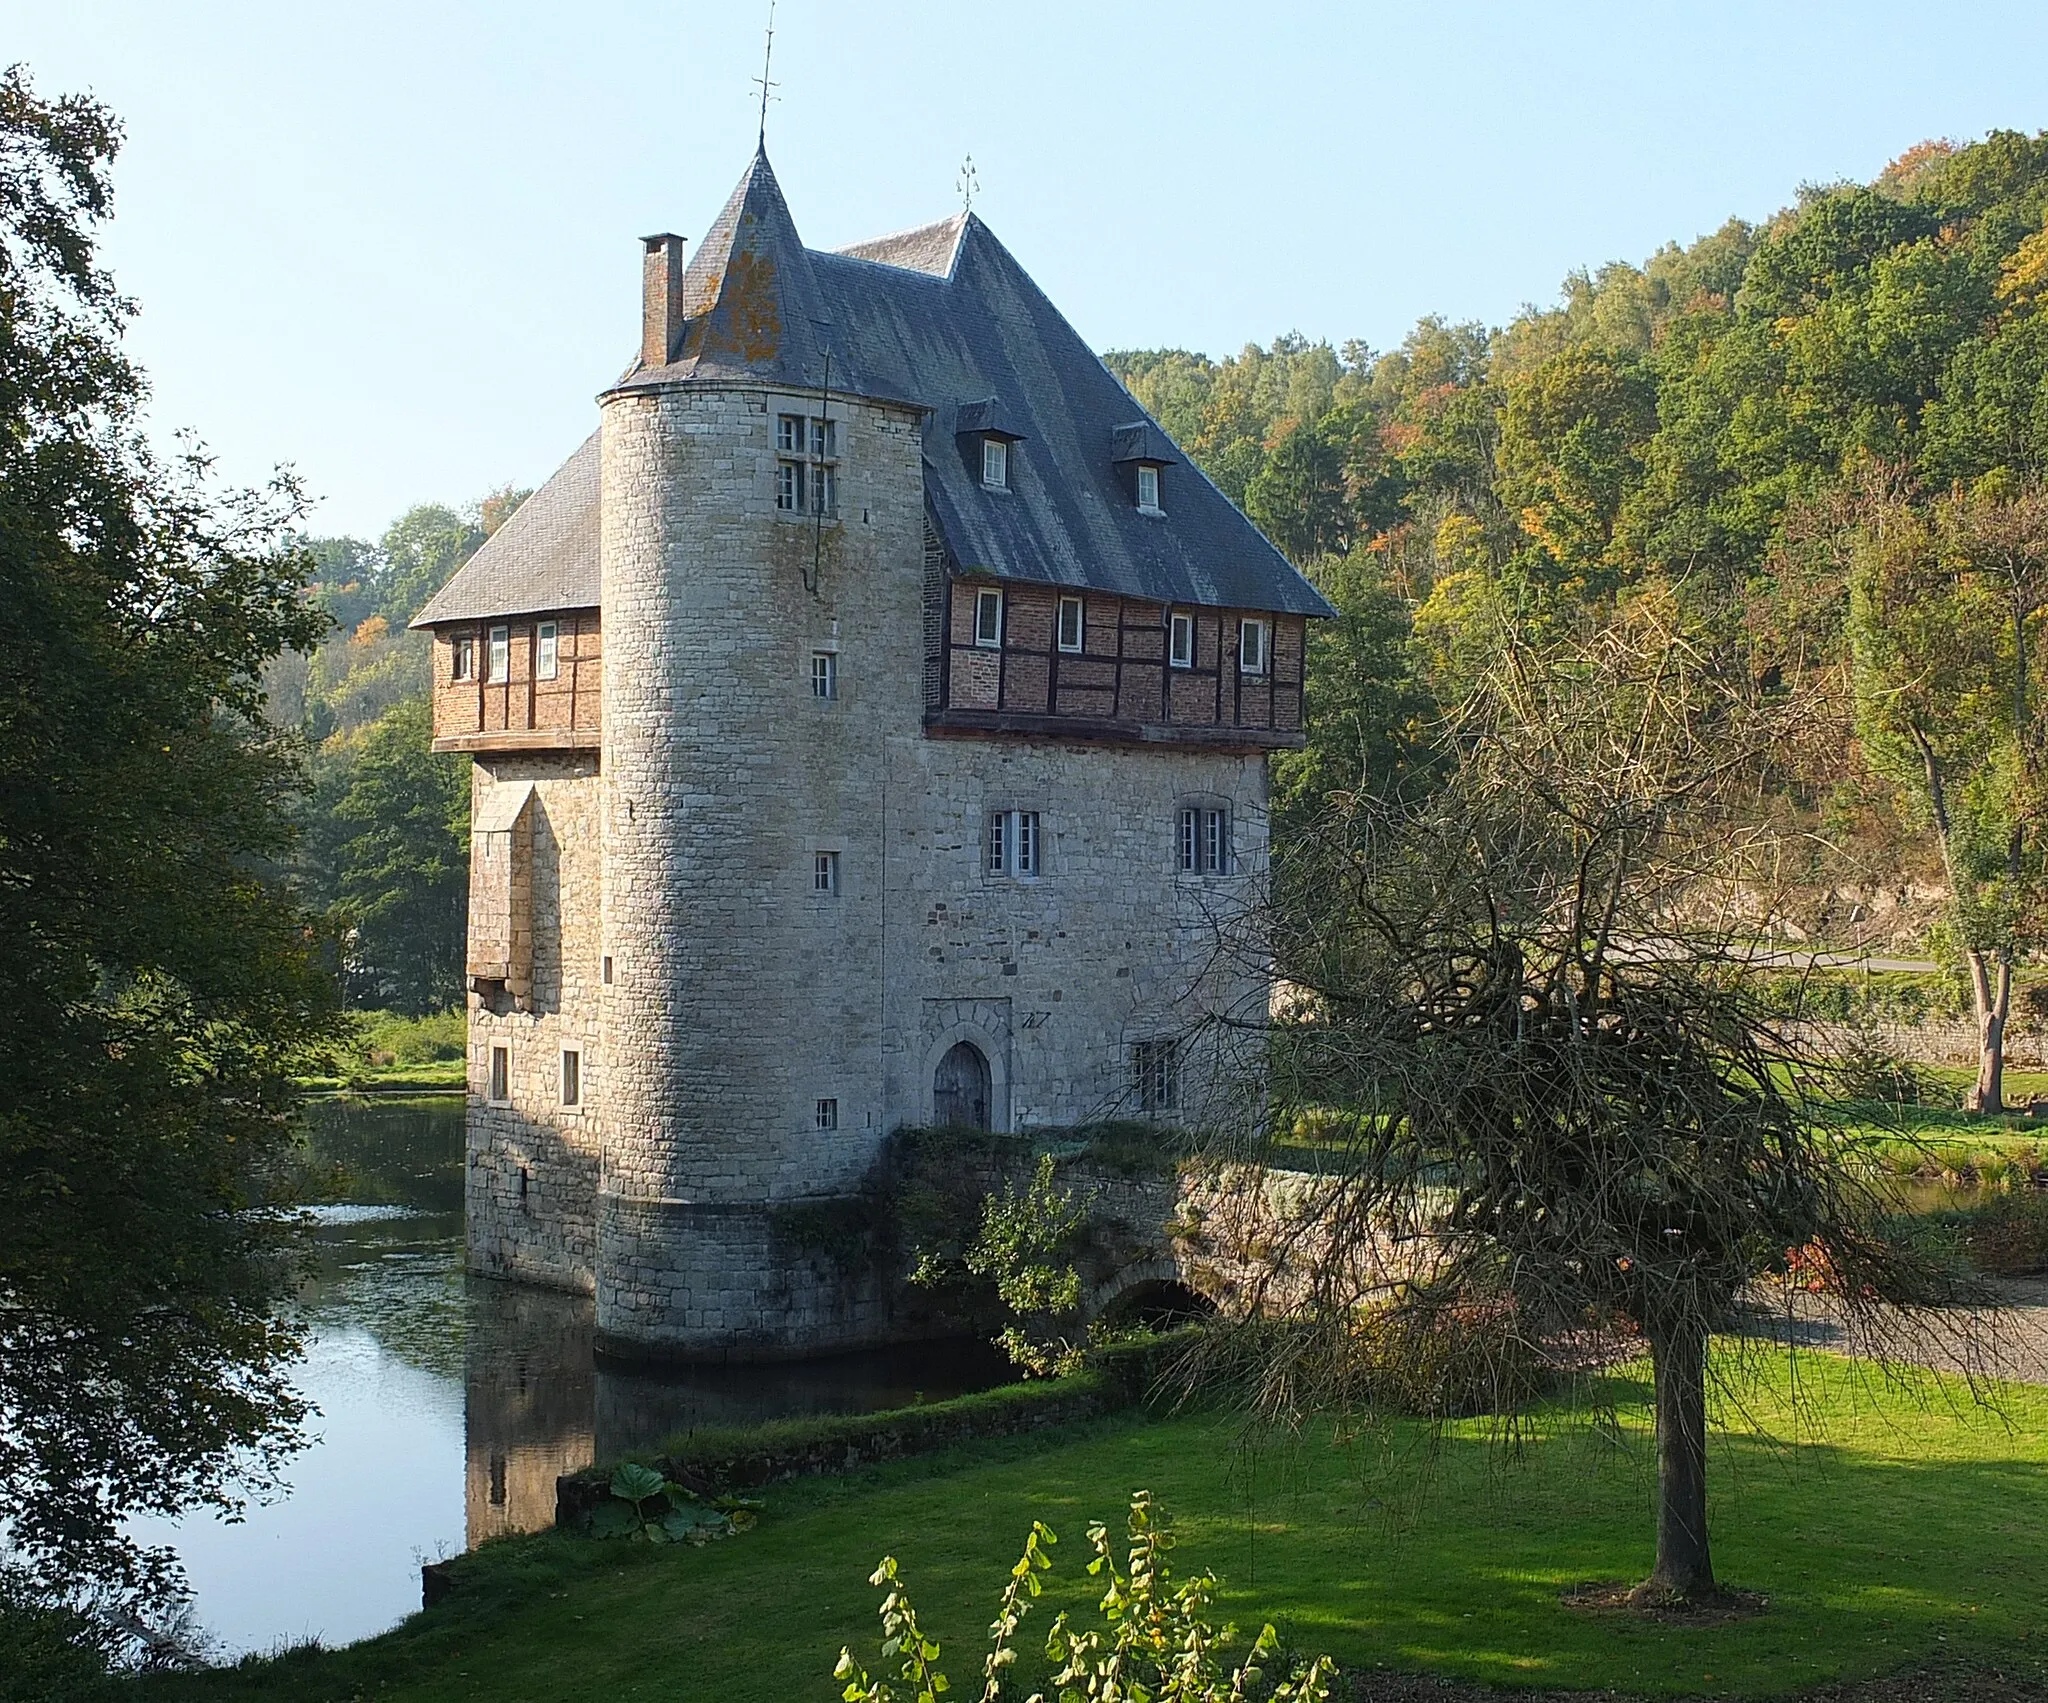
(544, 557)
(944, 319)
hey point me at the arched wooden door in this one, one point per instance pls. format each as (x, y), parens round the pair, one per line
(960, 1088)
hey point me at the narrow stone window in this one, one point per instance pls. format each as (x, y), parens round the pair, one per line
(827, 1114)
(572, 1076)
(789, 434)
(995, 464)
(604, 969)
(1180, 646)
(1072, 624)
(1015, 843)
(1203, 841)
(824, 437)
(988, 619)
(501, 1076)
(547, 650)
(824, 674)
(500, 661)
(1148, 489)
(1155, 1075)
(1254, 649)
(463, 666)
(824, 487)
(825, 872)
(789, 486)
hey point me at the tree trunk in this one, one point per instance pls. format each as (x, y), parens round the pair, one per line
(1685, 1566)
(1993, 1002)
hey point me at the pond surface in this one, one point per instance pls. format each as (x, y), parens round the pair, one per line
(449, 1404)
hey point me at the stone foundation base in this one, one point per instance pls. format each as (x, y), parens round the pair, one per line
(679, 1280)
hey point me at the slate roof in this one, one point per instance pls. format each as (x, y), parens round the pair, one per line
(941, 318)
(544, 557)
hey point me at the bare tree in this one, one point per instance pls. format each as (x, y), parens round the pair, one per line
(1524, 1010)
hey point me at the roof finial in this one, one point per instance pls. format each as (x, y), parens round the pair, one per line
(767, 58)
(967, 183)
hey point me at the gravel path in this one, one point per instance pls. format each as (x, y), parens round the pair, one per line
(2006, 1341)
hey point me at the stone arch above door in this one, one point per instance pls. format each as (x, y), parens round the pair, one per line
(983, 1024)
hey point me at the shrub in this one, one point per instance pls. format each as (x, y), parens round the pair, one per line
(1156, 1643)
(2009, 1235)
(385, 1039)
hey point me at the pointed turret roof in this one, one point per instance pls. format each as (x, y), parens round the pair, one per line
(750, 304)
(943, 319)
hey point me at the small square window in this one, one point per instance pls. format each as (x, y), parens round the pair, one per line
(827, 1114)
(789, 434)
(995, 464)
(547, 649)
(823, 436)
(1252, 648)
(1148, 488)
(500, 661)
(988, 619)
(824, 674)
(501, 1076)
(789, 487)
(572, 1076)
(1071, 623)
(463, 665)
(825, 872)
(1180, 646)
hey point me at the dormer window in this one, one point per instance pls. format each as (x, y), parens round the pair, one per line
(995, 464)
(1148, 489)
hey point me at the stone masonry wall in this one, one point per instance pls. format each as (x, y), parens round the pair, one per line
(533, 1163)
(743, 996)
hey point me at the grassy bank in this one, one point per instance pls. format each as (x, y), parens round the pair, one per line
(1904, 1522)
(387, 1051)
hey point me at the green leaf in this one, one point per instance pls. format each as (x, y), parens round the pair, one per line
(633, 1482)
(608, 1519)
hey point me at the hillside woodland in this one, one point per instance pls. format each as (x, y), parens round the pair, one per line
(1816, 444)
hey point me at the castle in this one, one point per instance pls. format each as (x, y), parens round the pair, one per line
(869, 726)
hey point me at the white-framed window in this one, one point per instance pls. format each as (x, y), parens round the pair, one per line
(789, 434)
(1180, 640)
(499, 662)
(1015, 843)
(462, 665)
(789, 486)
(1202, 840)
(827, 1115)
(824, 486)
(824, 674)
(547, 650)
(500, 1087)
(824, 437)
(1155, 1074)
(572, 1076)
(1073, 623)
(1254, 646)
(995, 464)
(988, 619)
(825, 872)
(1148, 488)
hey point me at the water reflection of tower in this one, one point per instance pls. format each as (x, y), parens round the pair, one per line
(530, 1398)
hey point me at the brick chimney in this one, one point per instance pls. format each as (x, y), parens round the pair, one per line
(661, 298)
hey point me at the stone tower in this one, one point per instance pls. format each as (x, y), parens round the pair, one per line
(928, 749)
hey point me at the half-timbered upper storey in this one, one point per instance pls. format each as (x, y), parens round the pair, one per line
(1051, 498)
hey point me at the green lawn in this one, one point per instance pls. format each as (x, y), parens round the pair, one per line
(1889, 1523)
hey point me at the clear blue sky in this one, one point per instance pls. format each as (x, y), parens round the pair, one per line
(394, 244)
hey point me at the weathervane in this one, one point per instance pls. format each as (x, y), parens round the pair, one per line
(967, 183)
(767, 58)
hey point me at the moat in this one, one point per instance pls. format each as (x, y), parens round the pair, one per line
(449, 1403)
